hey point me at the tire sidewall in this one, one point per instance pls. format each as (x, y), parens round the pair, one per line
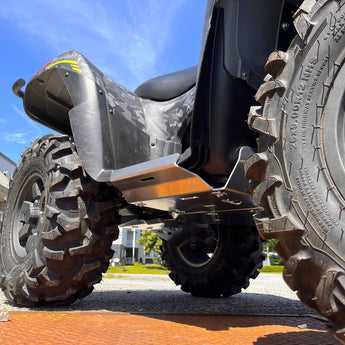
(315, 199)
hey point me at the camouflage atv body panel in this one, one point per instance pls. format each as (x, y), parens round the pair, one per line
(113, 128)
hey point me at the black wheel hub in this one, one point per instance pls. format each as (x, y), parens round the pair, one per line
(198, 249)
(28, 217)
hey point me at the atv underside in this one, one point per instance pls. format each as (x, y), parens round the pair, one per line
(180, 161)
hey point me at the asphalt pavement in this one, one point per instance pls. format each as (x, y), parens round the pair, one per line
(267, 294)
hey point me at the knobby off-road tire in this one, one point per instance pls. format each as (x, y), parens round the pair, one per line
(213, 261)
(58, 227)
(301, 158)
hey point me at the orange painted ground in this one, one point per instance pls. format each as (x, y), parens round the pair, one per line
(104, 328)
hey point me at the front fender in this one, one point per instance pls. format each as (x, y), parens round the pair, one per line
(68, 96)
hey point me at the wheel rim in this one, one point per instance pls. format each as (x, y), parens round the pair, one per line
(28, 217)
(198, 249)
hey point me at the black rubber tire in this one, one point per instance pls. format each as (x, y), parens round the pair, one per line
(237, 256)
(299, 166)
(58, 227)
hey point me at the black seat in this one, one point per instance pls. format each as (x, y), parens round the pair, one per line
(168, 86)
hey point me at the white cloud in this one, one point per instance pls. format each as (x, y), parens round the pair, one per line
(125, 36)
(22, 134)
(19, 138)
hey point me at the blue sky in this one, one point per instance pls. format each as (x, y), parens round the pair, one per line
(129, 40)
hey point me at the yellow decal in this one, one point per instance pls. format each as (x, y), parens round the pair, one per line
(74, 64)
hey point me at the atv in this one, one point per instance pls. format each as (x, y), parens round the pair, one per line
(176, 157)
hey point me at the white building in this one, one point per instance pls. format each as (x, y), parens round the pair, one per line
(126, 247)
(7, 167)
(128, 250)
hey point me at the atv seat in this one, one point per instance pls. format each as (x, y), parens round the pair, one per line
(168, 86)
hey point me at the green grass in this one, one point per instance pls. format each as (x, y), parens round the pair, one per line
(271, 269)
(138, 269)
(157, 269)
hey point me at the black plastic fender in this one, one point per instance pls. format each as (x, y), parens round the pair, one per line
(251, 32)
(238, 37)
(67, 96)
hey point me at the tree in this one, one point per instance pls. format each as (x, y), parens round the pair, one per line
(270, 244)
(150, 241)
(276, 260)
